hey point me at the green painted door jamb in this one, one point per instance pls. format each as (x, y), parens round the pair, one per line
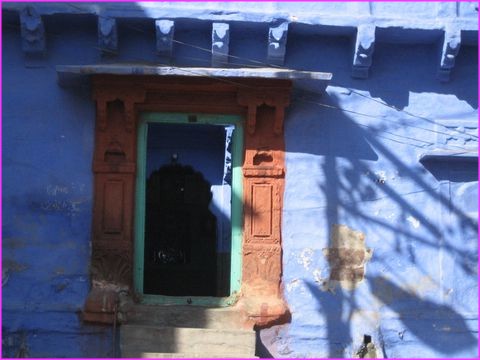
(139, 225)
(236, 207)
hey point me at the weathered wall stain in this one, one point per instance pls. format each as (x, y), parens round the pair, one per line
(13, 242)
(306, 258)
(347, 256)
(10, 266)
(13, 265)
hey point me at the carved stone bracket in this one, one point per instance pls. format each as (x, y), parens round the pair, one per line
(364, 47)
(253, 98)
(107, 35)
(165, 30)
(277, 43)
(220, 44)
(33, 31)
(450, 48)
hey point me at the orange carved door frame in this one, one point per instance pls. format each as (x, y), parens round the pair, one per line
(119, 100)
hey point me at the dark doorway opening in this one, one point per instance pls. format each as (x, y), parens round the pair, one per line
(180, 233)
(184, 250)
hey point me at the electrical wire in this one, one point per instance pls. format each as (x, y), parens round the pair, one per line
(372, 116)
(300, 98)
(263, 64)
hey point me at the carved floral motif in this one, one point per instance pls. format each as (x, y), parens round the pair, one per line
(112, 267)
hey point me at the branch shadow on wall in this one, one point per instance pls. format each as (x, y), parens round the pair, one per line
(397, 70)
(435, 333)
(351, 186)
(331, 306)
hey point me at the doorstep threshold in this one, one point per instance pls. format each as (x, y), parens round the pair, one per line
(203, 301)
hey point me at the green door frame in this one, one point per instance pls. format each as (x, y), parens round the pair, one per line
(236, 207)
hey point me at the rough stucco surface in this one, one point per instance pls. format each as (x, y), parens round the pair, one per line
(47, 204)
(416, 222)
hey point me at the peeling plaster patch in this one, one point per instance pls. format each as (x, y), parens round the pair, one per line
(324, 282)
(415, 223)
(317, 275)
(306, 258)
(293, 284)
(390, 216)
(347, 257)
(380, 177)
(297, 285)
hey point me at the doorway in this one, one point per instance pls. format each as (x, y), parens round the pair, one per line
(188, 213)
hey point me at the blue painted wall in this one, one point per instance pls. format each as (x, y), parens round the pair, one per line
(360, 168)
(47, 201)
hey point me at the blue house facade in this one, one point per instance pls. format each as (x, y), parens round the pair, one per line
(376, 206)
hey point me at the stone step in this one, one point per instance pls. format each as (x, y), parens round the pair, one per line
(157, 339)
(186, 316)
(139, 354)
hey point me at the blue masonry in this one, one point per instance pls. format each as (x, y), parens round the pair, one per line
(397, 167)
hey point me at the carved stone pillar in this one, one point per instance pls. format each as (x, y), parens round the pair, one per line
(114, 173)
(263, 184)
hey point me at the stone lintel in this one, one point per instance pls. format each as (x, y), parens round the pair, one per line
(277, 43)
(220, 44)
(364, 47)
(78, 75)
(33, 31)
(164, 30)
